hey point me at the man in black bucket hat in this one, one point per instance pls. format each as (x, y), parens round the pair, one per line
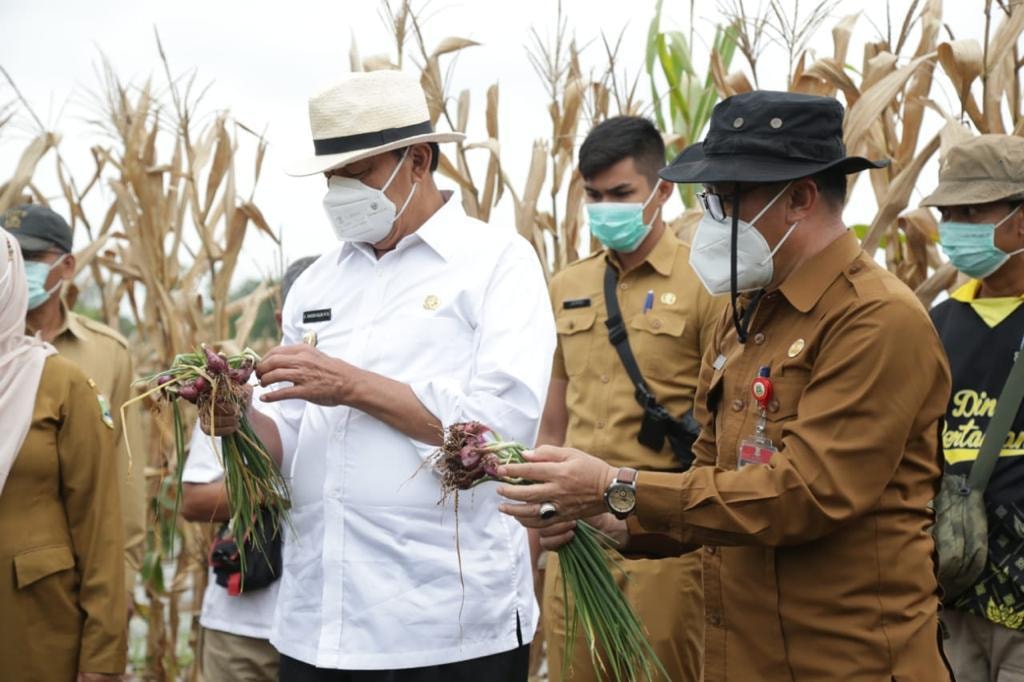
(820, 403)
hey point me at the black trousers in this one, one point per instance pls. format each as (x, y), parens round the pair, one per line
(508, 666)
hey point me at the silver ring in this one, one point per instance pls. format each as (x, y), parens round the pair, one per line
(547, 510)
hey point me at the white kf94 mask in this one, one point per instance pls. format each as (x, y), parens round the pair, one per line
(360, 213)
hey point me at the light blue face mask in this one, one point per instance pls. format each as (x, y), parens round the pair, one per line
(620, 226)
(971, 247)
(36, 273)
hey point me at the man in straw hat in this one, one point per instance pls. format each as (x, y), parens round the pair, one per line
(418, 320)
(819, 401)
(981, 199)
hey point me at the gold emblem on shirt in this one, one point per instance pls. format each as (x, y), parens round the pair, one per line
(668, 298)
(795, 348)
(431, 302)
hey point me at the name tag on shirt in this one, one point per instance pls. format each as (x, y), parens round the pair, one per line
(322, 315)
(719, 362)
(576, 303)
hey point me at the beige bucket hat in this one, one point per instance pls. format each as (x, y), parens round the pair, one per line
(365, 114)
(981, 170)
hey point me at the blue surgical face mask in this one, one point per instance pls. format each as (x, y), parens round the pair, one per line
(620, 226)
(971, 247)
(37, 273)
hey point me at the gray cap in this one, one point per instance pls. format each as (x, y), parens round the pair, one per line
(37, 228)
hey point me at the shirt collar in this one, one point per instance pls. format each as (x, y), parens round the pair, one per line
(662, 257)
(436, 233)
(806, 285)
(71, 325)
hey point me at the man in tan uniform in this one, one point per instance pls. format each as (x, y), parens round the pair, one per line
(45, 239)
(820, 403)
(669, 320)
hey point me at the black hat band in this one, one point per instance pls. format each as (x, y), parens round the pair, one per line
(378, 138)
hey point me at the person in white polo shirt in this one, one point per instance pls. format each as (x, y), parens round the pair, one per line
(422, 317)
(235, 628)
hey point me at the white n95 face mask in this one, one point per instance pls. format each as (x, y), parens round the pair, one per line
(710, 253)
(360, 213)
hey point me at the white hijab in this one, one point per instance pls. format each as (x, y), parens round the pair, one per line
(21, 356)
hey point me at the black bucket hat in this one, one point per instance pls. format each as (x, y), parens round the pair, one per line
(766, 137)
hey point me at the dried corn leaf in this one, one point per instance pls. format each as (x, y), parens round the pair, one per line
(874, 101)
(452, 44)
(10, 194)
(898, 195)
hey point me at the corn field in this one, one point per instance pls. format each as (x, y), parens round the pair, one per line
(163, 253)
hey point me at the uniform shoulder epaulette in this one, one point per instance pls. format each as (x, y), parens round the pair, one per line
(100, 328)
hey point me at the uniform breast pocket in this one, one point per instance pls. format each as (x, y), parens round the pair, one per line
(575, 331)
(786, 393)
(655, 340)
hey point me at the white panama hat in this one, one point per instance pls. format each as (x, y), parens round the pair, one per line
(365, 114)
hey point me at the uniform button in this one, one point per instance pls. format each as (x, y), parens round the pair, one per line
(572, 325)
(773, 406)
(759, 338)
(605, 378)
(599, 424)
(656, 324)
(623, 286)
(711, 550)
(855, 268)
(714, 619)
(738, 405)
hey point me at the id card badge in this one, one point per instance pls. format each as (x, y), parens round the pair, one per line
(758, 448)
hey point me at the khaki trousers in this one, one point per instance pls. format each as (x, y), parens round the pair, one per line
(981, 651)
(668, 598)
(233, 658)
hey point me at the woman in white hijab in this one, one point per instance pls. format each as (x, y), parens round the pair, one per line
(62, 601)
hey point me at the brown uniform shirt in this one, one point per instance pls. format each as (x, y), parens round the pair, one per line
(62, 598)
(668, 342)
(103, 354)
(817, 566)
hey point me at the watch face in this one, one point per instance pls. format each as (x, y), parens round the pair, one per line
(622, 498)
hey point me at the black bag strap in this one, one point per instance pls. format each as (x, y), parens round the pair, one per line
(1006, 410)
(620, 340)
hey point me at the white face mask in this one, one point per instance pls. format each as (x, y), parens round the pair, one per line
(360, 213)
(710, 254)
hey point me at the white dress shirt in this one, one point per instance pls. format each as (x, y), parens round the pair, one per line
(459, 311)
(249, 614)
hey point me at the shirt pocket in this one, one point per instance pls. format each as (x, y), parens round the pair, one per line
(35, 564)
(655, 341)
(574, 335)
(783, 407)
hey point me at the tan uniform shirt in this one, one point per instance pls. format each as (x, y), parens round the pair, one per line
(62, 602)
(103, 354)
(668, 342)
(817, 566)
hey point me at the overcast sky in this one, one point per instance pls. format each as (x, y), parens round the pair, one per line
(265, 57)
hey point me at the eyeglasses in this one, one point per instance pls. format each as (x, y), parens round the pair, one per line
(714, 204)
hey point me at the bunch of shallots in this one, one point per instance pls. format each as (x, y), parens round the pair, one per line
(618, 644)
(216, 384)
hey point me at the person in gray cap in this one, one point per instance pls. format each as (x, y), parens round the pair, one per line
(46, 244)
(819, 402)
(981, 199)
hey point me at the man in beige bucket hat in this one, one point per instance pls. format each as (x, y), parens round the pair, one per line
(421, 318)
(980, 196)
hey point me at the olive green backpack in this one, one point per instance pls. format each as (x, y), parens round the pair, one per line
(961, 525)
